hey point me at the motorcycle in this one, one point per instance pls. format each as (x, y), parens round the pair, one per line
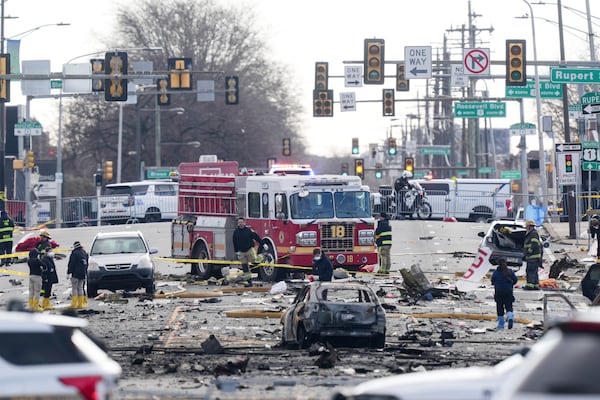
(415, 202)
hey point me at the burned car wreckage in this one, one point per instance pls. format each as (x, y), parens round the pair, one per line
(506, 239)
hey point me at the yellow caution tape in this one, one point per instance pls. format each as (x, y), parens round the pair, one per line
(13, 272)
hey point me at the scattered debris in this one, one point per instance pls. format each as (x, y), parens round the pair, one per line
(237, 367)
(327, 356)
(212, 346)
(15, 282)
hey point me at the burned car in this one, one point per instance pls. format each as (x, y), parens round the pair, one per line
(506, 239)
(334, 311)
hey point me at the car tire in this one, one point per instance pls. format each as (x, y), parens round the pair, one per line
(202, 270)
(150, 289)
(92, 290)
(378, 341)
(271, 274)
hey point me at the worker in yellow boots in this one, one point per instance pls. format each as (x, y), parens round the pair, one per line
(35, 279)
(76, 272)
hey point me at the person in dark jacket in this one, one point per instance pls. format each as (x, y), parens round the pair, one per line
(49, 277)
(533, 256)
(7, 226)
(322, 265)
(35, 279)
(383, 239)
(243, 245)
(595, 233)
(77, 272)
(503, 280)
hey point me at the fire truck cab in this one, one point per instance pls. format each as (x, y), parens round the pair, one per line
(292, 214)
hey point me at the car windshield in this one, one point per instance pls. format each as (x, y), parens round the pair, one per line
(118, 245)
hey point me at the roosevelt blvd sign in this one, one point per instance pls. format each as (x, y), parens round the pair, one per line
(474, 109)
(548, 90)
(28, 128)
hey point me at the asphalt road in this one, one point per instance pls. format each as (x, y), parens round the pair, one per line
(159, 342)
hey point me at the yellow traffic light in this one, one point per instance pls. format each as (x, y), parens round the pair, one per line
(389, 105)
(29, 159)
(232, 90)
(359, 169)
(108, 170)
(4, 83)
(286, 147)
(516, 72)
(321, 75)
(180, 73)
(97, 68)
(115, 88)
(402, 84)
(163, 97)
(374, 61)
(409, 164)
(322, 103)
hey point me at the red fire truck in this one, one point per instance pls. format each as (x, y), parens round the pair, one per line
(293, 214)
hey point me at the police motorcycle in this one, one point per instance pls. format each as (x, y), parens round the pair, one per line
(411, 198)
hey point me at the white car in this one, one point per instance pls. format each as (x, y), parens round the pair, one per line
(473, 383)
(46, 356)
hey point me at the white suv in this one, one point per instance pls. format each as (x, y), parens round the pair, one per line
(145, 201)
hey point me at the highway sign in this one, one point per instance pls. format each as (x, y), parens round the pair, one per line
(347, 101)
(574, 111)
(474, 109)
(510, 174)
(522, 129)
(55, 84)
(549, 90)
(417, 60)
(435, 150)
(590, 153)
(590, 166)
(574, 75)
(476, 61)
(567, 147)
(28, 128)
(353, 75)
(486, 170)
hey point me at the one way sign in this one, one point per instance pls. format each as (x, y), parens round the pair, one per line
(417, 60)
(353, 75)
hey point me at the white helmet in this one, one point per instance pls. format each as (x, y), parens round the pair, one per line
(406, 174)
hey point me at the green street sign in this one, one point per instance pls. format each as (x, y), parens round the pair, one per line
(589, 145)
(574, 75)
(419, 174)
(486, 170)
(522, 129)
(474, 109)
(549, 90)
(510, 174)
(158, 173)
(28, 128)
(590, 166)
(436, 151)
(55, 84)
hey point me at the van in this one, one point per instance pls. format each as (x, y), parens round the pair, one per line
(468, 199)
(145, 201)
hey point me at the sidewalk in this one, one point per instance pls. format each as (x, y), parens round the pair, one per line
(575, 248)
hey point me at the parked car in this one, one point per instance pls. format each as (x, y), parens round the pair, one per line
(120, 260)
(473, 383)
(45, 356)
(334, 310)
(563, 364)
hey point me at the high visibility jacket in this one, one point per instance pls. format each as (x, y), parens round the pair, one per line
(383, 233)
(533, 245)
(7, 226)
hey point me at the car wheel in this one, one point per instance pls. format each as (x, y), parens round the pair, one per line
(150, 289)
(269, 273)
(152, 215)
(92, 290)
(201, 270)
(378, 341)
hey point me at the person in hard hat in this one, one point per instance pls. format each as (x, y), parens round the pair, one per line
(243, 245)
(503, 280)
(533, 256)
(33, 242)
(49, 275)
(7, 226)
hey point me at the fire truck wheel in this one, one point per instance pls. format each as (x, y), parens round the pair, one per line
(201, 270)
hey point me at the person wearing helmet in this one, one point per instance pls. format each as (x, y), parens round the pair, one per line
(33, 242)
(533, 256)
(401, 187)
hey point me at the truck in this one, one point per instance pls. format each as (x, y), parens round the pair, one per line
(293, 214)
(468, 199)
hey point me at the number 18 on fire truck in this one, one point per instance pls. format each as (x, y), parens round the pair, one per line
(292, 214)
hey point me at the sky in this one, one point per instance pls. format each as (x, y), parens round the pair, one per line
(300, 33)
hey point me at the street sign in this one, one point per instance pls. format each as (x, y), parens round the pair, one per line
(473, 109)
(590, 155)
(417, 60)
(353, 75)
(206, 90)
(590, 166)
(548, 90)
(567, 164)
(567, 147)
(574, 111)
(510, 174)
(590, 103)
(476, 61)
(574, 75)
(522, 129)
(158, 173)
(458, 78)
(28, 128)
(348, 101)
(486, 170)
(433, 150)
(55, 84)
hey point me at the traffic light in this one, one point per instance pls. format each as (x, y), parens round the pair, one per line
(4, 83)
(163, 97)
(321, 75)
(359, 169)
(355, 145)
(345, 170)
(286, 147)
(115, 88)
(389, 105)
(568, 163)
(378, 171)
(29, 159)
(516, 64)
(322, 103)
(98, 180)
(108, 170)
(402, 84)
(409, 164)
(392, 150)
(97, 69)
(180, 73)
(232, 90)
(374, 60)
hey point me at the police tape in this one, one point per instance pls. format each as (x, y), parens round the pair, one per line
(13, 272)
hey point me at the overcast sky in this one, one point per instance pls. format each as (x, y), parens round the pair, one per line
(300, 33)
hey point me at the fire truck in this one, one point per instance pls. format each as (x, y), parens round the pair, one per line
(292, 214)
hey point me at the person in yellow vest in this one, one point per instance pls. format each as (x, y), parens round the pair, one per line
(7, 226)
(383, 239)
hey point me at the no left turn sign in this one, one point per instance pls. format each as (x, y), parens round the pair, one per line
(476, 61)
